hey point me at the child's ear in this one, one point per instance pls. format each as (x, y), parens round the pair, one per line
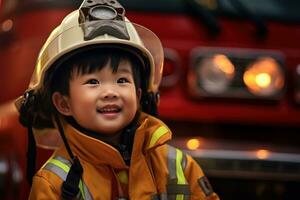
(139, 94)
(61, 103)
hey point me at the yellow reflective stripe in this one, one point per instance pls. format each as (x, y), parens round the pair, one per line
(179, 172)
(81, 188)
(123, 177)
(157, 134)
(60, 164)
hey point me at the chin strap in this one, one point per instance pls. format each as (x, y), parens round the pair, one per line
(31, 156)
(70, 187)
(149, 103)
(26, 118)
(127, 138)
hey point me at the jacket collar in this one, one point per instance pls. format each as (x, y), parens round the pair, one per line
(150, 133)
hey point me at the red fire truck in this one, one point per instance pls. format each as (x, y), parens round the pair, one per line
(230, 90)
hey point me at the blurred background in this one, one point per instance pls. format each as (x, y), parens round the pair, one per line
(230, 90)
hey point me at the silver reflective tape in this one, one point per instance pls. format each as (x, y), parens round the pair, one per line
(87, 193)
(79, 196)
(56, 170)
(174, 190)
(183, 161)
(63, 175)
(172, 165)
(163, 196)
(63, 160)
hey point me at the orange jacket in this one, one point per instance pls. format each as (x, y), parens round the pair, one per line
(106, 175)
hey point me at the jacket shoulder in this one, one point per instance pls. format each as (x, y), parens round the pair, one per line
(45, 184)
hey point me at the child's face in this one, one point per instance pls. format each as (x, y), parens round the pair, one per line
(103, 101)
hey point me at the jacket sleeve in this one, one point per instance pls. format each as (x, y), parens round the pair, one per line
(198, 183)
(42, 189)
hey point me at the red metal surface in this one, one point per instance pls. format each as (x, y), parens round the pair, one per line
(18, 55)
(184, 33)
(17, 64)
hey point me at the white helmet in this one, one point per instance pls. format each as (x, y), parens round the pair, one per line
(75, 33)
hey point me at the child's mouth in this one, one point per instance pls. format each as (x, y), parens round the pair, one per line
(109, 109)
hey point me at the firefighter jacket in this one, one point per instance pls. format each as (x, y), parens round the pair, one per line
(157, 170)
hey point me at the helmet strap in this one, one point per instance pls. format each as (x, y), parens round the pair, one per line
(26, 118)
(31, 155)
(63, 136)
(149, 103)
(70, 187)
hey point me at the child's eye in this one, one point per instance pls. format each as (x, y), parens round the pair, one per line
(123, 80)
(92, 82)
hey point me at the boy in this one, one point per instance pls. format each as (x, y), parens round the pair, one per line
(96, 79)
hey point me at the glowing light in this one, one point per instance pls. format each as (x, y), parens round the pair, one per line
(7, 25)
(264, 77)
(262, 154)
(193, 144)
(263, 80)
(224, 64)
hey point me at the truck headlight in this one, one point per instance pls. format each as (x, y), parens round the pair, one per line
(236, 73)
(215, 73)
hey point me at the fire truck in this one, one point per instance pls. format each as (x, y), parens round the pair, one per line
(230, 90)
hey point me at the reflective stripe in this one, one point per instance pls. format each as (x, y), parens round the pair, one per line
(63, 160)
(179, 170)
(177, 187)
(56, 170)
(87, 193)
(61, 166)
(184, 161)
(163, 196)
(172, 165)
(157, 134)
(79, 196)
(123, 177)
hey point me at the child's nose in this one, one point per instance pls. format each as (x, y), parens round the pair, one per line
(110, 96)
(109, 93)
